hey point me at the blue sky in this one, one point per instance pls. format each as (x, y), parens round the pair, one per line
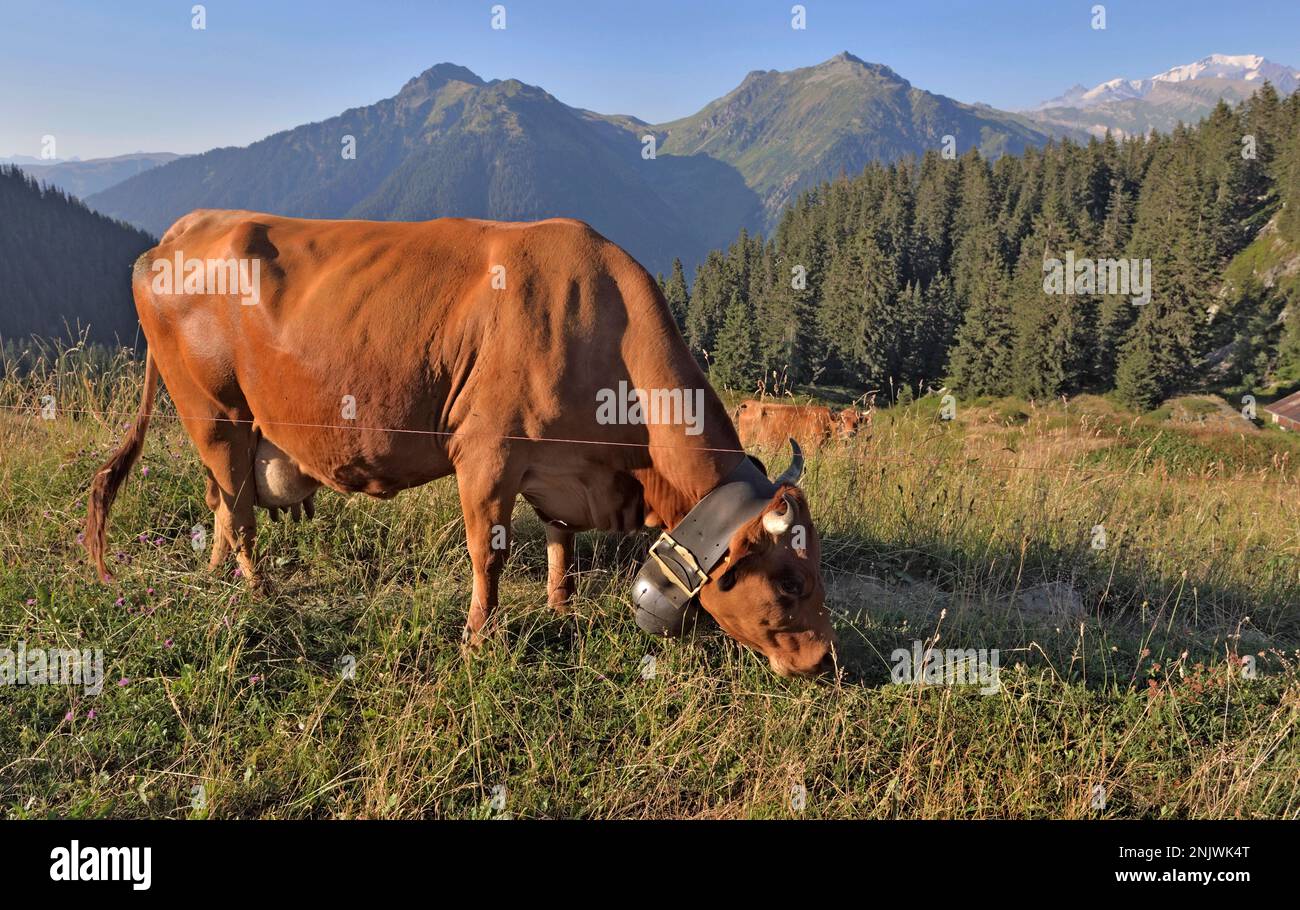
(107, 78)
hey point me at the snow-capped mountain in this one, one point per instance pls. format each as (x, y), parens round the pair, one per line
(1238, 67)
(1247, 67)
(1187, 93)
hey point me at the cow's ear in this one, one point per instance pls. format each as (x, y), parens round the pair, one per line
(749, 540)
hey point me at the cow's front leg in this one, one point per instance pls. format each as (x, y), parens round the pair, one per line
(561, 578)
(487, 504)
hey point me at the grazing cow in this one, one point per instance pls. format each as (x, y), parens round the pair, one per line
(375, 356)
(768, 423)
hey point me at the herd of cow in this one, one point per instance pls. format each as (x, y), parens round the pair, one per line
(378, 356)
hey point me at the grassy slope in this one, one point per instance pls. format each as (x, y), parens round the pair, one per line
(928, 528)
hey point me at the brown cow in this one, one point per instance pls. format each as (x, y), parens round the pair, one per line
(377, 356)
(769, 424)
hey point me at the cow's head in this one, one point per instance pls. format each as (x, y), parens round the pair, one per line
(768, 593)
(847, 422)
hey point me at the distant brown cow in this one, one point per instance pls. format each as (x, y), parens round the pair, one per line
(769, 424)
(376, 356)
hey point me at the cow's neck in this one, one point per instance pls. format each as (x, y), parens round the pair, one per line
(671, 499)
(684, 468)
(687, 468)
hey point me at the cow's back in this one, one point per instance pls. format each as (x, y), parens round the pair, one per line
(422, 329)
(770, 424)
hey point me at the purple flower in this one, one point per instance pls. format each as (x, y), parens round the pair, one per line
(145, 470)
(68, 716)
(81, 538)
(167, 643)
(254, 679)
(120, 601)
(90, 715)
(124, 681)
(148, 590)
(31, 601)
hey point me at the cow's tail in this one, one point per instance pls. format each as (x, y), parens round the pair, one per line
(103, 489)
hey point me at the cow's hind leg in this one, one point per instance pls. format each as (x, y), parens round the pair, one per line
(561, 578)
(221, 535)
(226, 448)
(487, 498)
(218, 422)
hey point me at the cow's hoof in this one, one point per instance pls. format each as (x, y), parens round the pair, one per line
(256, 582)
(472, 640)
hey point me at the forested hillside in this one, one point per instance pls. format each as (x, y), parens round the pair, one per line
(65, 267)
(923, 272)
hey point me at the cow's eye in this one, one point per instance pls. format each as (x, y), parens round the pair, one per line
(790, 585)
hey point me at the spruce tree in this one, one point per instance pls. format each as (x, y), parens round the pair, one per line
(735, 357)
(677, 294)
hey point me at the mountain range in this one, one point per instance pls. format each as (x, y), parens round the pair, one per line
(451, 143)
(84, 178)
(1182, 94)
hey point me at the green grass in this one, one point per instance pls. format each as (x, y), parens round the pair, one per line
(930, 529)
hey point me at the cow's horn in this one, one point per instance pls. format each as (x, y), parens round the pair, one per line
(795, 471)
(777, 523)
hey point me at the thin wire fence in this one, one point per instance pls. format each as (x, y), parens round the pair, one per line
(34, 411)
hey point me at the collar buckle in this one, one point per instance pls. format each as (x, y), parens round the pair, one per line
(679, 564)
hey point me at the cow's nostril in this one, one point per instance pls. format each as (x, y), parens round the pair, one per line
(823, 667)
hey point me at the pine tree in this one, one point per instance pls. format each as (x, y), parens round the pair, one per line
(707, 304)
(983, 357)
(735, 358)
(677, 294)
(1139, 377)
(857, 316)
